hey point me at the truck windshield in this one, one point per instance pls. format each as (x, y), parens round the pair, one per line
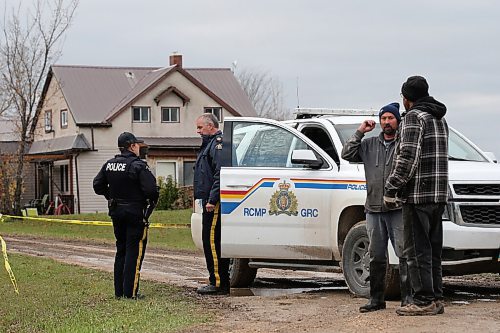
(458, 148)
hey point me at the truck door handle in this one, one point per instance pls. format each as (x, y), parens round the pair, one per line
(240, 185)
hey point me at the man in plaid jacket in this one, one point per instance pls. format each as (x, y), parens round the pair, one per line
(419, 178)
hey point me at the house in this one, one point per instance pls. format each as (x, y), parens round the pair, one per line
(85, 108)
(9, 146)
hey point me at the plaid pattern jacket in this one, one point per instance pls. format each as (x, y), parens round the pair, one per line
(420, 168)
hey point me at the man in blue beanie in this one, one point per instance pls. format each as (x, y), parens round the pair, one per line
(382, 222)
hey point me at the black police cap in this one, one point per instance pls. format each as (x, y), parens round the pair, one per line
(126, 139)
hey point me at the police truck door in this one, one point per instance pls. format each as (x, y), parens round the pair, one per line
(269, 205)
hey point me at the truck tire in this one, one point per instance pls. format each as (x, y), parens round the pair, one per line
(240, 274)
(356, 265)
(356, 261)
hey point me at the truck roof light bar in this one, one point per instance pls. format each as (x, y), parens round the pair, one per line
(301, 113)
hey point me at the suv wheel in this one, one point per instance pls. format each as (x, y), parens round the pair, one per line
(240, 274)
(356, 265)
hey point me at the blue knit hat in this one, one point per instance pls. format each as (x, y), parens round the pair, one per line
(392, 108)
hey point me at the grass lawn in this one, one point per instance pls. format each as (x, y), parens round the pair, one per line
(57, 297)
(163, 238)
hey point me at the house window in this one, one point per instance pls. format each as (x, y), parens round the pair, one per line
(64, 178)
(64, 118)
(48, 121)
(140, 114)
(166, 169)
(188, 172)
(170, 115)
(216, 111)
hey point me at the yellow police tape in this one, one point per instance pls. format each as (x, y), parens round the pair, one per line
(104, 223)
(6, 262)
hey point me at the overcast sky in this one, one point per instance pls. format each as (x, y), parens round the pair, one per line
(343, 54)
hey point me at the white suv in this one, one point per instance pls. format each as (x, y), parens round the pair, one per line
(289, 201)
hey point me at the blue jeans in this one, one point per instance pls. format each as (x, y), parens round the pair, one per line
(423, 246)
(381, 228)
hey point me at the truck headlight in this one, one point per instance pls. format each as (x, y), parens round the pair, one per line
(448, 212)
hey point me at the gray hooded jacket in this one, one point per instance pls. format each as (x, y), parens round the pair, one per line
(376, 155)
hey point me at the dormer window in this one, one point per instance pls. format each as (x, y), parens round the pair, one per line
(141, 114)
(170, 115)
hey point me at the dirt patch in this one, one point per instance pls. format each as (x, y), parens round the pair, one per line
(288, 301)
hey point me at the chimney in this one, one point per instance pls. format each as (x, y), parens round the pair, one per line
(176, 59)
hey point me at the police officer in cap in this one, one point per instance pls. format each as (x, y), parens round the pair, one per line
(207, 188)
(130, 188)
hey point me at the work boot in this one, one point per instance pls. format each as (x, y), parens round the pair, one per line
(416, 310)
(377, 286)
(372, 306)
(440, 306)
(136, 297)
(210, 289)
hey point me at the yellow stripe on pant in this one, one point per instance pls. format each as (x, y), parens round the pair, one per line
(212, 245)
(138, 263)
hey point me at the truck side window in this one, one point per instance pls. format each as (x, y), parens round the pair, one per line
(320, 137)
(263, 145)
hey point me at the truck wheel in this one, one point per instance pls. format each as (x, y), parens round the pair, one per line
(356, 265)
(356, 261)
(240, 274)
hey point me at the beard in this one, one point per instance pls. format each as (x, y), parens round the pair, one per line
(389, 130)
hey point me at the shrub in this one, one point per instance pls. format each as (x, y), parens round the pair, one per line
(169, 193)
(185, 198)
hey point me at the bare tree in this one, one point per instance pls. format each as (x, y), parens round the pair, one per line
(265, 92)
(31, 39)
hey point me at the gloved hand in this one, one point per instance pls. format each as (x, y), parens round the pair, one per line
(392, 202)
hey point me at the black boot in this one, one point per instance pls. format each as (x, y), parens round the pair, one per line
(404, 283)
(377, 286)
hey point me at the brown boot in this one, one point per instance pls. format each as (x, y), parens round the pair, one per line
(415, 310)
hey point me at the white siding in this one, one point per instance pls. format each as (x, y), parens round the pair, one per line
(89, 164)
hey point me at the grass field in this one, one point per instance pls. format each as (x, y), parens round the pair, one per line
(57, 297)
(163, 238)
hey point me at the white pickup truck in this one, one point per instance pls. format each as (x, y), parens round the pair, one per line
(289, 201)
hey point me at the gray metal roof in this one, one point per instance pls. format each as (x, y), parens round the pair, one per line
(60, 145)
(146, 81)
(9, 128)
(9, 147)
(92, 92)
(96, 94)
(223, 83)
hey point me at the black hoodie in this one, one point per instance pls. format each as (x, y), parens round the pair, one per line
(430, 105)
(420, 168)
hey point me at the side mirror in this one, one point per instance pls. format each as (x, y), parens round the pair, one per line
(491, 156)
(306, 157)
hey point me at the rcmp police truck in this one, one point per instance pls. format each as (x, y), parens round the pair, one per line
(289, 201)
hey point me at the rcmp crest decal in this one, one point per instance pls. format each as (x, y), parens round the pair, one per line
(283, 201)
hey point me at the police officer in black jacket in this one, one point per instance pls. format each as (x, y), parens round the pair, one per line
(130, 188)
(207, 188)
